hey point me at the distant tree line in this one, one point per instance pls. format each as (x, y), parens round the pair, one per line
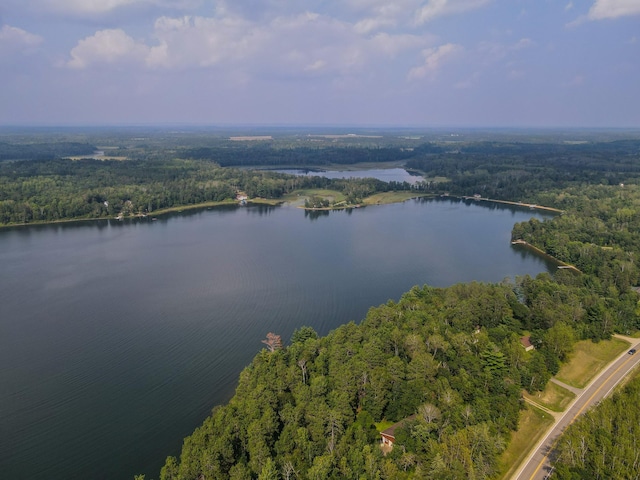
(515, 171)
(59, 189)
(265, 155)
(43, 151)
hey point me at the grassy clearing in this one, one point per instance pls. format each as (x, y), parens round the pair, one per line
(437, 179)
(391, 197)
(266, 201)
(383, 425)
(554, 397)
(588, 359)
(298, 197)
(532, 425)
(97, 157)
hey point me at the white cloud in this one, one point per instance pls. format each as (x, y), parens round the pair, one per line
(568, 6)
(307, 44)
(203, 41)
(16, 40)
(613, 9)
(370, 24)
(433, 59)
(107, 47)
(379, 14)
(439, 8)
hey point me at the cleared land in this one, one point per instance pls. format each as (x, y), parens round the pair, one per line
(588, 359)
(392, 197)
(298, 197)
(533, 424)
(383, 425)
(554, 397)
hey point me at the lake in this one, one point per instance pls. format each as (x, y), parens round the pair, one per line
(117, 338)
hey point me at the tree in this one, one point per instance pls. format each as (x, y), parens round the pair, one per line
(273, 342)
(269, 471)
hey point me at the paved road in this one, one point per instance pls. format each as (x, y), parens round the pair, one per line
(538, 464)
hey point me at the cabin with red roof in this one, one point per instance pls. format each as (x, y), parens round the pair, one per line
(526, 343)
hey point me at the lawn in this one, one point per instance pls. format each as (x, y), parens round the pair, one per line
(298, 197)
(383, 425)
(554, 397)
(588, 359)
(391, 197)
(532, 425)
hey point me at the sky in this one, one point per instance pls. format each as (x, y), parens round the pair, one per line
(432, 63)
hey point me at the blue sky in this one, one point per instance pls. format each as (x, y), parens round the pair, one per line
(485, 63)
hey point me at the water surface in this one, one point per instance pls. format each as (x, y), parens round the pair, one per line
(117, 338)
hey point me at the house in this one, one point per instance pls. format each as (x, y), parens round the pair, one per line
(526, 343)
(389, 435)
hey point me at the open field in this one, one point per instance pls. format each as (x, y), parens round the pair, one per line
(392, 197)
(97, 157)
(383, 425)
(554, 397)
(298, 197)
(587, 359)
(532, 425)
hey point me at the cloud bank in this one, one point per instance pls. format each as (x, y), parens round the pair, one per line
(604, 9)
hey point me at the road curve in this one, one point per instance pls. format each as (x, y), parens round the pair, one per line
(538, 464)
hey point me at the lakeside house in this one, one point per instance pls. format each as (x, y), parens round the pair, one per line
(388, 436)
(526, 343)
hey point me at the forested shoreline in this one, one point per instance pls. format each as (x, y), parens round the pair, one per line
(452, 356)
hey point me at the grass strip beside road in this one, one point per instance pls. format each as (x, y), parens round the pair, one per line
(553, 397)
(588, 359)
(532, 425)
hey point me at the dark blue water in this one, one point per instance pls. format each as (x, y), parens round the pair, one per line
(117, 338)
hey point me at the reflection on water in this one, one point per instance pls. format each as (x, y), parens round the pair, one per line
(118, 337)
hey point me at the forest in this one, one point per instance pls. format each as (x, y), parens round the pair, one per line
(603, 444)
(36, 191)
(448, 361)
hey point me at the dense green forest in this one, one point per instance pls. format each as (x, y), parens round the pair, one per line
(265, 155)
(453, 355)
(61, 189)
(603, 444)
(43, 151)
(450, 355)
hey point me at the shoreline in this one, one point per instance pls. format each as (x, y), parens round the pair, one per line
(155, 213)
(275, 202)
(531, 206)
(561, 264)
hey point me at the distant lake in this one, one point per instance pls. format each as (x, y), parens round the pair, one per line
(117, 338)
(384, 174)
